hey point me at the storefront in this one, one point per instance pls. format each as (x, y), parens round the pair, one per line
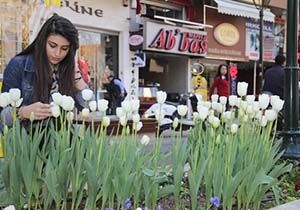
(168, 50)
(103, 33)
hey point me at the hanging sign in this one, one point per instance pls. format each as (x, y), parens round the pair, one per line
(135, 40)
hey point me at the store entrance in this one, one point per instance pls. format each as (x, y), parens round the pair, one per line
(164, 72)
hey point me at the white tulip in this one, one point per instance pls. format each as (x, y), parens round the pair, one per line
(102, 105)
(214, 105)
(85, 112)
(220, 108)
(258, 115)
(245, 118)
(137, 126)
(242, 88)
(214, 98)
(233, 128)
(273, 99)
(87, 94)
(206, 104)
(249, 109)
(243, 105)
(264, 101)
(55, 110)
(18, 103)
(232, 100)
(105, 121)
(120, 112)
(135, 118)
(182, 110)
(123, 121)
(14, 94)
(57, 98)
(270, 115)
(10, 207)
(175, 123)
(214, 121)
(126, 105)
(161, 97)
(70, 116)
(278, 105)
(228, 115)
(138, 208)
(203, 112)
(4, 99)
(145, 140)
(67, 103)
(263, 121)
(250, 99)
(223, 100)
(135, 105)
(93, 106)
(255, 106)
(196, 116)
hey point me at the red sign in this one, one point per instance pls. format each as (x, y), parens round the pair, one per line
(233, 71)
(178, 40)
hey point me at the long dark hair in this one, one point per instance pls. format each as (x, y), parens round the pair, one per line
(56, 25)
(218, 74)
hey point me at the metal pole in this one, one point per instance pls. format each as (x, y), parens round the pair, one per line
(291, 95)
(261, 45)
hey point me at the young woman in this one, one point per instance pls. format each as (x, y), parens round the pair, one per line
(221, 82)
(46, 66)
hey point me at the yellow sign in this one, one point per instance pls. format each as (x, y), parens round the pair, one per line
(227, 34)
(49, 3)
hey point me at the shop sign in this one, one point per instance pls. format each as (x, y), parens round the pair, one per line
(252, 40)
(172, 39)
(227, 34)
(135, 40)
(82, 9)
(221, 44)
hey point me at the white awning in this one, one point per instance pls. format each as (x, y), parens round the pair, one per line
(244, 10)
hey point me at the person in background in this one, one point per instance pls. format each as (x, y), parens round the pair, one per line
(46, 66)
(84, 69)
(115, 88)
(220, 85)
(274, 78)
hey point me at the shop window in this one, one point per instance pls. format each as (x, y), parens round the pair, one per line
(166, 10)
(98, 50)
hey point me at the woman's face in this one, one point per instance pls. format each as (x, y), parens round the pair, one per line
(57, 47)
(223, 70)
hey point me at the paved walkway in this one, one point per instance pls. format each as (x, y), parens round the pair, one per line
(295, 205)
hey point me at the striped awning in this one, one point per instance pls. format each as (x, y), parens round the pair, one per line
(236, 8)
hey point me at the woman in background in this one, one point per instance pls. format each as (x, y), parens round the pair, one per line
(221, 82)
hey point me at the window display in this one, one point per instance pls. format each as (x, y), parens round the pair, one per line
(96, 51)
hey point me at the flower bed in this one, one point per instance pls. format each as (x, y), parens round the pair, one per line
(231, 156)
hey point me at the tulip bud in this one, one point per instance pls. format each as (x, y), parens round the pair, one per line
(242, 88)
(105, 121)
(145, 140)
(161, 97)
(87, 94)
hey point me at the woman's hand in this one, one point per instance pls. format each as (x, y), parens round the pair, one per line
(40, 111)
